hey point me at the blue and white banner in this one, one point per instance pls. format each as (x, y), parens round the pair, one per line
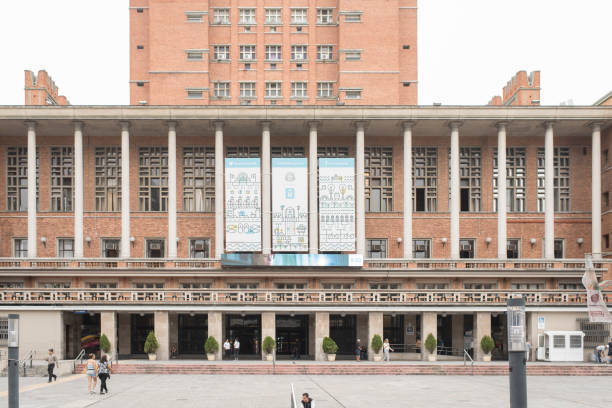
(289, 204)
(242, 205)
(337, 204)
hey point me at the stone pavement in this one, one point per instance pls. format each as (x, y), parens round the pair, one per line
(182, 391)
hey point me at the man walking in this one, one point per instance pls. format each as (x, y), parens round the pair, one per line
(51, 362)
(236, 348)
(307, 402)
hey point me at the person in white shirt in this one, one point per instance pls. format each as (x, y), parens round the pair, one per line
(227, 346)
(386, 349)
(236, 348)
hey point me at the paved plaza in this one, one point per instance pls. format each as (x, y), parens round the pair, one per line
(229, 391)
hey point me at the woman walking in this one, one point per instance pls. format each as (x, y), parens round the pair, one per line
(386, 349)
(103, 374)
(92, 371)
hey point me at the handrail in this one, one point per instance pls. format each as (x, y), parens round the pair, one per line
(466, 354)
(293, 400)
(78, 357)
(29, 357)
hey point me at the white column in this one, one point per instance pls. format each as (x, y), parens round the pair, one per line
(125, 189)
(78, 189)
(171, 189)
(596, 191)
(502, 208)
(360, 186)
(455, 199)
(266, 205)
(313, 221)
(219, 185)
(31, 127)
(408, 189)
(549, 192)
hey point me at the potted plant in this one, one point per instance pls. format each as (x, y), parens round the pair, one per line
(431, 346)
(330, 348)
(151, 345)
(376, 345)
(105, 345)
(211, 347)
(487, 345)
(268, 347)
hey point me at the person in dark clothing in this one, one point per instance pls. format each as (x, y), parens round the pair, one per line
(358, 350)
(307, 402)
(103, 374)
(51, 362)
(610, 352)
(296, 349)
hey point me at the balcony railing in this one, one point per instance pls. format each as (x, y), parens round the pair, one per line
(288, 297)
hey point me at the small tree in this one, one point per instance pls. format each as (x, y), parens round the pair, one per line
(269, 345)
(105, 345)
(329, 345)
(211, 346)
(487, 344)
(430, 343)
(377, 343)
(151, 345)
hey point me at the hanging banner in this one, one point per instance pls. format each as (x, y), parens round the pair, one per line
(598, 311)
(337, 204)
(289, 205)
(242, 205)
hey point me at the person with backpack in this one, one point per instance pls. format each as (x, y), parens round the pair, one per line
(103, 374)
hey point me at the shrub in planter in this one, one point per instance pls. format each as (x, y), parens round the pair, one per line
(430, 344)
(487, 344)
(329, 345)
(376, 343)
(211, 346)
(105, 345)
(151, 345)
(269, 345)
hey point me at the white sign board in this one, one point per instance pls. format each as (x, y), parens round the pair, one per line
(337, 204)
(242, 205)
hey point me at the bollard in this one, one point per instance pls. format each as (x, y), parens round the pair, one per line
(13, 361)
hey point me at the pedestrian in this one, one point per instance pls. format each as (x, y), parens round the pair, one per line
(92, 372)
(103, 374)
(296, 349)
(227, 346)
(386, 349)
(599, 353)
(358, 350)
(610, 352)
(527, 350)
(236, 348)
(51, 363)
(307, 402)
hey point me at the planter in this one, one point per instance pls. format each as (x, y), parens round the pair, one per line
(152, 356)
(269, 357)
(377, 357)
(486, 358)
(331, 357)
(431, 357)
(210, 356)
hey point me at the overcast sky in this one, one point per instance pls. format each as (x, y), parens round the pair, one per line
(468, 49)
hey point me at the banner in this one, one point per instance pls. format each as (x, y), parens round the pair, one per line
(289, 204)
(309, 260)
(598, 312)
(336, 204)
(242, 205)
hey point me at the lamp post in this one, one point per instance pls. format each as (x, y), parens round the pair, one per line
(13, 360)
(516, 353)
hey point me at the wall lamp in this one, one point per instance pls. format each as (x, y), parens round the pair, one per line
(43, 240)
(580, 241)
(88, 240)
(488, 240)
(399, 241)
(443, 240)
(132, 240)
(532, 241)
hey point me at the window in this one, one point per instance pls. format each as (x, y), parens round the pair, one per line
(4, 329)
(325, 52)
(247, 16)
(247, 52)
(148, 285)
(527, 285)
(337, 285)
(377, 248)
(605, 199)
(153, 177)
(352, 55)
(195, 94)
(289, 286)
(193, 55)
(247, 89)
(242, 285)
(273, 16)
(378, 179)
(194, 17)
(479, 286)
(575, 341)
(287, 151)
(20, 248)
(199, 248)
(421, 248)
(515, 179)
(299, 52)
(425, 178)
(11, 285)
(559, 341)
(61, 178)
(384, 286)
(353, 94)
(606, 241)
(221, 52)
(110, 248)
(273, 52)
(352, 18)
(469, 178)
(273, 90)
(561, 179)
(325, 89)
(53, 285)
(108, 178)
(299, 16)
(559, 248)
(325, 16)
(332, 151)
(194, 285)
(221, 16)
(102, 285)
(65, 248)
(155, 248)
(221, 89)
(467, 248)
(299, 89)
(241, 151)
(17, 178)
(571, 286)
(199, 179)
(513, 247)
(432, 285)
(605, 155)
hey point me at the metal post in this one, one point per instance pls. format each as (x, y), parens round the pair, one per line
(516, 353)
(13, 360)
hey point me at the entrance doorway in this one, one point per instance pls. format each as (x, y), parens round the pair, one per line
(140, 326)
(247, 329)
(499, 334)
(192, 333)
(343, 330)
(292, 332)
(445, 334)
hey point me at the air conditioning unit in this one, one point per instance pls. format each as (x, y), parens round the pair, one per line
(200, 246)
(466, 247)
(512, 247)
(110, 245)
(419, 248)
(155, 246)
(376, 248)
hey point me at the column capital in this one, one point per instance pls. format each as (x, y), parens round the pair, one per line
(360, 124)
(172, 124)
(218, 125)
(502, 124)
(549, 124)
(125, 125)
(408, 124)
(313, 124)
(596, 126)
(455, 124)
(78, 125)
(265, 125)
(30, 124)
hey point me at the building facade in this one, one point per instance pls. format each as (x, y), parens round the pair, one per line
(125, 220)
(521, 90)
(41, 90)
(298, 52)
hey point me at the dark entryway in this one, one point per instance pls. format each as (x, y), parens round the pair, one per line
(393, 329)
(499, 333)
(292, 332)
(90, 332)
(140, 326)
(343, 330)
(192, 333)
(247, 329)
(445, 334)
